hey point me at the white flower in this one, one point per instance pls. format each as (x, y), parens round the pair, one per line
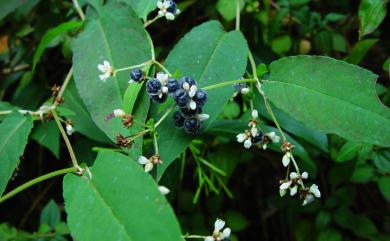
(254, 131)
(274, 138)
(308, 199)
(244, 91)
(106, 69)
(164, 9)
(294, 175)
(147, 162)
(202, 117)
(119, 113)
(314, 189)
(255, 114)
(282, 192)
(293, 190)
(247, 143)
(313, 192)
(305, 175)
(218, 225)
(162, 77)
(286, 159)
(163, 190)
(285, 185)
(226, 233)
(241, 137)
(69, 129)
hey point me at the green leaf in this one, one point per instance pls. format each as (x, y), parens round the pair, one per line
(330, 234)
(142, 7)
(371, 15)
(210, 56)
(359, 50)
(50, 35)
(381, 160)
(281, 44)
(48, 135)
(227, 8)
(120, 198)
(232, 110)
(14, 131)
(80, 117)
(130, 97)
(6, 7)
(348, 151)
(343, 103)
(118, 36)
(363, 174)
(50, 214)
(384, 187)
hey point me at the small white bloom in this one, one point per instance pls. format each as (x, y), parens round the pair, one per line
(314, 189)
(294, 175)
(255, 114)
(202, 117)
(274, 138)
(286, 159)
(241, 137)
(164, 89)
(119, 113)
(209, 238)
(192, 105)
(192, 91)
(244, 91)
(254, 131)
(143, 160)
(186, 86)
(293, 190)
(148, 167)
(247, 143)
(305, 175)
(69, 129)
(106, 69)
(218, 225)
(282, 192)
(164, 190)
(285, 185)
(226, 233)
(163, 9)
(163, 78)
(308, 199)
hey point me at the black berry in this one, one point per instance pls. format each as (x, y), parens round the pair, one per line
(190, 113)
(200, 97)
(153, 86)
(192, 126)
(137, 75)
(188, 80)
(259, 138)
(158, 99)
(178, 119)
(172, 8)
(173, 85)
(181, 97)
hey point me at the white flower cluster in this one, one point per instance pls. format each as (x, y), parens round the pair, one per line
(149, 162)
(106, 69)
(219, 235)
(168, 9)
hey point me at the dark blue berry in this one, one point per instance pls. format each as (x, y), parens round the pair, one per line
(200, 97)
(178, 119)
(172, 8)
(192, 126)
(188, 80)
(137, 75)
(190, 113)
(259, 138)
(173, 85)
(239, 86)
(158, 99)
(181, 97)
(153, 86)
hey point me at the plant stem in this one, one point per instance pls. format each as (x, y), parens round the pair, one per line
(37, 180)
(227, 83)
(67, 142)
(79, 10)
(140, 134)
(149, 22)
(155, 143)
(161, 67)
(193, 236)
(238, 16)
(253, 65)
(134, 66)
(65, 84)
(164, 116)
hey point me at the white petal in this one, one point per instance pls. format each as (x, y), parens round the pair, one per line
(308, 199)
(285, 185)
(148, 167)
(192, 105)
(293, 190)
(247, 143)
(241, 137)
(167, 4)
(177, 11)
(219, 224)
(254, 131)
(159, 4)
(160, 13)
(264, 146)
(102, 68)
(244, 91)
(107, 64)
(163, 190)
(314, 189)
(255, 114)
(203, 117)
(305, 175)
(282, 192)
(226, 233)
(294, 175)
(192, 91)
(119, 113)
(143, 160)
(164, 89)
(103, 77)
(170, 16)
(131, 81)
(186, 86)
(209, 238)
(286, 159)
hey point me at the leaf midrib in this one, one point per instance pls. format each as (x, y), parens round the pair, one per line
(330, 96)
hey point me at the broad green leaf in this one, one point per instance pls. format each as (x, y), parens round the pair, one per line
(384, 187)
(348, 151)
(52, 34)
(228, 8)
(142, 7)
(363, 174)
(118, 36)
(359, 50)
(330, 96)
(120, 202)
(81, 119)
(381, 160)
(130, 97)
(48, 135)
(209, 55)
(50, 214)
(14, 131)
(371, 15)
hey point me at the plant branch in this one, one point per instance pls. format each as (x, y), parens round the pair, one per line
(238, 16)
(161, 67)
(134, 66)
(37, 180)
(164, 116)
(78, 9)
(227, 83)
(149, 22)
